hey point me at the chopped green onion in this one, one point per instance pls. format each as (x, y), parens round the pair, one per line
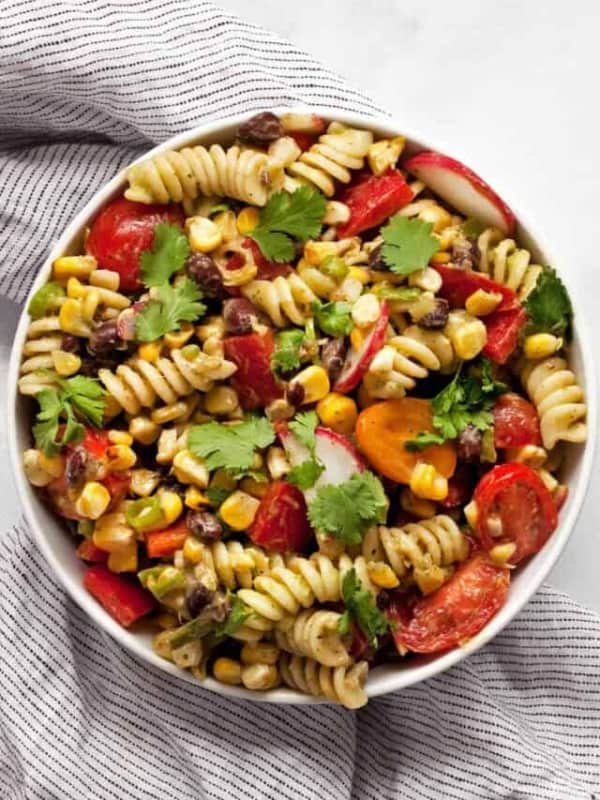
(334, 267)
(144, 513)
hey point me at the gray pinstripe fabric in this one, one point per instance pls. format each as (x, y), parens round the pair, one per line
(85, 87)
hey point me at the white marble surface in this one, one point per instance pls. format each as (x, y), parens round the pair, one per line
(511, 85)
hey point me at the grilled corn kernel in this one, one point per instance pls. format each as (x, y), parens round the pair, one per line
(437, 216)
(260, 677)
(204, 234)
(170, 505)
(177, 339)
(228, 671)
(143, 482)
(467, 334)
(70, 318)
(540, 345)
(65, 363)
(194, 498)
(193, 550)
(277, 463)
(423, 509)
(471, 514)
(144, 430)
(426, 482)
(221, 400)
(111, 532)
(384, 154)
(365, 311)
(105, 279)
(360, 274)
(212, 328)
(125, 560)
(247, 220)
(441, 257)
(120, 437)
(259, 653)
(357, 337)
(255, 488)
(338, 412)
(89, 304)
(93, 500)
(530, 454)
(41, 469)
(150, 351)
(120, 457)
(188, 468)
(349, 290)
(316, 252)
(502, 553)
(75, 288)
(481, 303)
(315, 382)
(382, 575)
(73, 266)
(336, 213)
(430, 579)
(239, 510)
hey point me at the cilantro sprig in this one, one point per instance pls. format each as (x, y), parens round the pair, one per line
(74, 399)
(171, 306)
(333, 318)
(306, 474)
(230, 447)
(287, 353)
(361, 609)
(408, 244)
(466, 400)
(167, 256)
(347, 510)
(548, 306)
(286, 217)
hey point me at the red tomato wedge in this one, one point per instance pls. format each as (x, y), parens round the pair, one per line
(372, 200)
(514, 505)
(503, 329)
(87, 551)
(121, 231)
(123, 599)
(281, 522)
(455, 612)
(516, 422)
(254, 382)
(163, 544)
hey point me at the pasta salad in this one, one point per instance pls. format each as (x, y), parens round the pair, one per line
(302, 403)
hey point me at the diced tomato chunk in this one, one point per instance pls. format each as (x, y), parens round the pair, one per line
(96, 442)
(503, 329)
(304, 140)
(267, 270)
(516, 422)
(162, 544)
(281, 522)
(125, 600)
(254, 382)
(87, 551)
(372, 200)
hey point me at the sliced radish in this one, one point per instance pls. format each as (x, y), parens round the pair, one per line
(357, 361)
(462, 188)
(334, 451)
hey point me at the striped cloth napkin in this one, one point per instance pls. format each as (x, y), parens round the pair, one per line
(84, 88)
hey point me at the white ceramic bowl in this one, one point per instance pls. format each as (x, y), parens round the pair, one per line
(57, 545)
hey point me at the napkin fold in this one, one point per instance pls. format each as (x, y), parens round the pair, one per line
(85, 87)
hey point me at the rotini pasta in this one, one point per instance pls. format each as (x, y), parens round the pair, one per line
(344, 685)
(506, 263)
(282, 299)
(314, 634)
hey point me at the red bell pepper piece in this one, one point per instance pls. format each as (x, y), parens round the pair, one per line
(254, 382)
(281, 522)
(503, 328)
(162, 544)
(123, 599)
(87, 551)
(372, 200)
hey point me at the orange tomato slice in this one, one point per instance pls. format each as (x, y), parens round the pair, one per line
(382, 430)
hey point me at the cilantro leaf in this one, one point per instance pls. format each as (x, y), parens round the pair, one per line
(303, 427)
(171, 306)
(306, 474)
(472, 228)
(548, 306)
(361, 608)
(408, 244)
(286, 355)
(347, 510)
(235, 619)
(230, 447)
(333, 318)
(286, 216)
(169, 252)
(423, 440)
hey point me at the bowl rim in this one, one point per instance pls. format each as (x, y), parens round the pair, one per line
(377, 684)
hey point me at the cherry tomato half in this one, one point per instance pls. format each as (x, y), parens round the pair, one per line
(254, 382)
(514, 505)
(372, 199)
(281, 522)
(516, 422)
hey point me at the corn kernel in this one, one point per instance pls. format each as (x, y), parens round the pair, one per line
(360, 274)
(73, 266)
(144, 430)
(423, 509)
(143, 481)
(279, 409)
(177, 339)
(120, 457)
(194, 498)
(221, 400)
(426, 482)
(315, 382)
(260, 677)
(255, 488)
(120, 437)
(277, 463)
(89, 304)
(212, 327)
(125, 560)
(336, 213)
(112, 532)
(193, 550)
(171, 506)
(70, 318)
(316, 252)
(247, 220)
(338, 412)
(471, 514)
(75, 289)
(430, 579)
(442, 257)
(204, 234)
(65, 363)
(467, 334)
(259, 653)
(382, 575)
(384, 154)
(481, 303)
(105, 279)
(530, 454)
(541, 345)
(111, 407)
(365, 311)
(357, 337)
(502, 553)
(188, 468)
(239, 510)
(93, 500)
(226, 670)
(150, 351)
(41, 469)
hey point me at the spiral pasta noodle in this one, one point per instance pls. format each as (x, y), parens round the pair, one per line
(506, 263)
(282, 299)
(314, 634)
(44, 337)
(559, 400)
(344, 685)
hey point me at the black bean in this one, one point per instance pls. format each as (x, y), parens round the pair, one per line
(261, 129)
(438, 317)
(383, 600)
(203, 269)
(75, 466)
(104, 338)
(295, 394)
(239, 316)
(333, 354)
(70, 344)
(204, 525)
(469, 445)
(199, 597)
